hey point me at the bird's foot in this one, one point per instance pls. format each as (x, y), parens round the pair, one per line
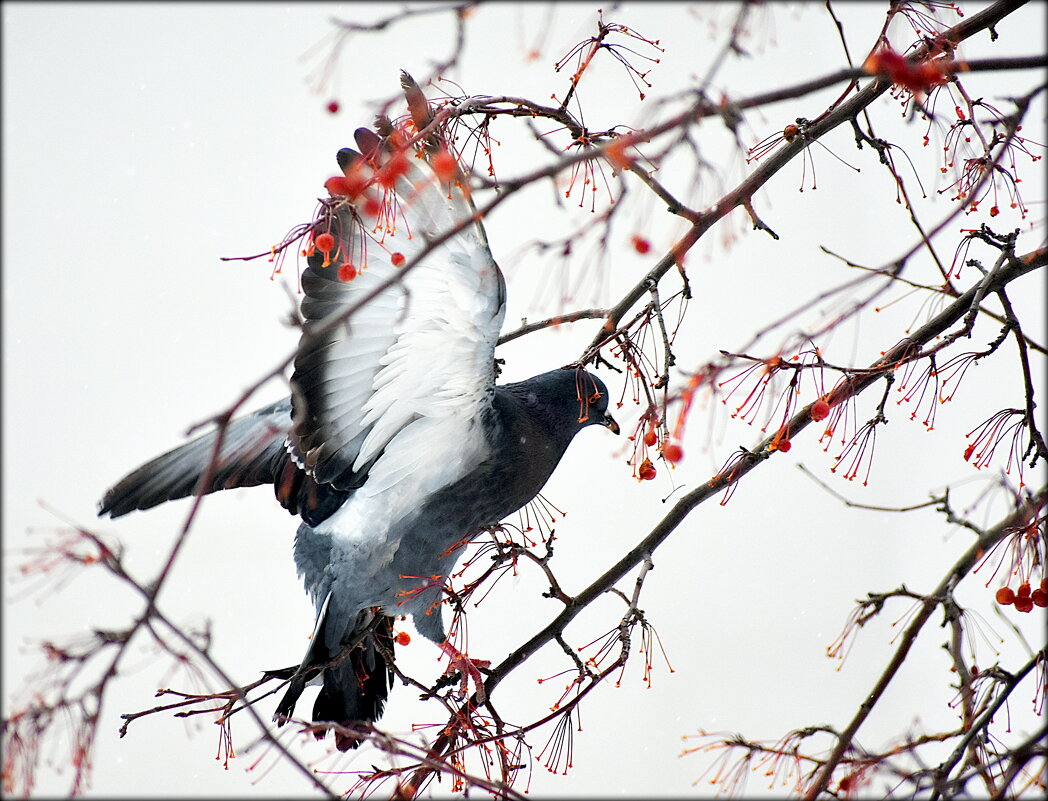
(469, 668)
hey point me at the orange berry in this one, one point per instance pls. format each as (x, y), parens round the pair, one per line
(325, 243)
(1023, 604)
(616, 152)
(650, 438)
(339, 185)
(393, 169)
(373, 207)
(1005, 596)
(672, 453)
(820, 410)
(646, 471)
(397, 259)
(403, 638)
(347, 272)
(969, 451)
(444, 164)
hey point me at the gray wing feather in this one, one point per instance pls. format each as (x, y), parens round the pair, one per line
(252, 453)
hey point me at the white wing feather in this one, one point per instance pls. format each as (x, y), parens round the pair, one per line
(402, 380)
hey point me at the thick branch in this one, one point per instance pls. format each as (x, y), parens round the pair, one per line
(744, 191)
(933, 328)
(1020, 517)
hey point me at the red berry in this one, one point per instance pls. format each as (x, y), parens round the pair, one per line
(347, 272)
(1005, 596)
(1023, 604)
(969, 451)
(393, 169)
(372, 207)
(340, 185)
(646, 471)
(397, 259)
(650, 438)
(820, 410)
(1039, 598)
(444, 164)
(403, 638)
(1024, 590)
(783, 445)
(333, 106)
(641, 245)
(325, 243)
(672, 453)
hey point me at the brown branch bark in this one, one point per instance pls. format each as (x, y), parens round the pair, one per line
(699, 495)
(742, 194)
(1027, 509)
(644, 549)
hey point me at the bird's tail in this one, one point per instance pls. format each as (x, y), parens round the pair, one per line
(355, 681)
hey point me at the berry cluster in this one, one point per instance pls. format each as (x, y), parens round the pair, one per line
(670, 451)
(1023, 599)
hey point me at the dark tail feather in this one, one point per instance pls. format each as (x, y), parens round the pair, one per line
(354, 691)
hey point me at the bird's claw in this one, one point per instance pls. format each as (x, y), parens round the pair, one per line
(469, 668)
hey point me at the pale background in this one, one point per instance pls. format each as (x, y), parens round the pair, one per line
(143, 142)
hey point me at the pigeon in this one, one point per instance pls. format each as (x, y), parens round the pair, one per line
(396, 447)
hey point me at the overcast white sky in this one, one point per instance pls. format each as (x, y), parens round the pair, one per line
(143, 142)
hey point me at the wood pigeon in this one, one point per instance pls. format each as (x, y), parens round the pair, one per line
(395, 447)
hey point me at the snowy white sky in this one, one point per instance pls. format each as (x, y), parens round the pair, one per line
(143, 142)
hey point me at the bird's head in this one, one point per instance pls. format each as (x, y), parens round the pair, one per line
(593, 398)
(568, 398)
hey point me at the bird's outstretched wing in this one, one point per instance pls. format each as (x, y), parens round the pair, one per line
(252, 453)
(419, 346)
